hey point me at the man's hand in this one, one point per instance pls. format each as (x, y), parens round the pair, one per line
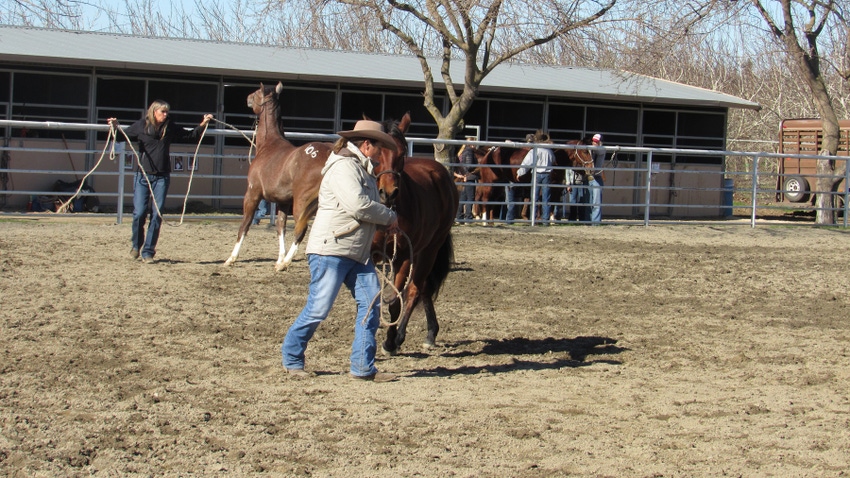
(393, 228)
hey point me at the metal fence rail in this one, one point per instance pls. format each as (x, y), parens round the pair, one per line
(748, 193)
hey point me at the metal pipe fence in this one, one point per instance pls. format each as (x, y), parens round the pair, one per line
(691, 191)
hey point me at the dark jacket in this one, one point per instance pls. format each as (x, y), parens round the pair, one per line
(468, 164)
(155, 146)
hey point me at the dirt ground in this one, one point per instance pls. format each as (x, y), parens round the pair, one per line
(564, 351)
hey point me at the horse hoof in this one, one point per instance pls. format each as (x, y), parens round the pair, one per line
(229, 262)
(388, 351)
(428, 345)
(280, 267)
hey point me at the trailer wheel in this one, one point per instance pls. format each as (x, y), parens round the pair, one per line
(796, 189)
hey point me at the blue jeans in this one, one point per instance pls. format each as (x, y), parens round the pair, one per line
(543, 180)
(262, 210)
(561, 200)
(578, 199)
(142, 206)
(509, 205)
(595, 185)
(327, 274)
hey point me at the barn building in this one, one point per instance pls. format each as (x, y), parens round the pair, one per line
(86, 77)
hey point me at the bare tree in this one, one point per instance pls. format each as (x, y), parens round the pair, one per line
(479, 34)
(798, 26)
(63, 14)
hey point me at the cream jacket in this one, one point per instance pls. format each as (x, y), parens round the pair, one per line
(349, 209)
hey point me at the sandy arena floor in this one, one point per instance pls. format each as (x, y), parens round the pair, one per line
(564, 351)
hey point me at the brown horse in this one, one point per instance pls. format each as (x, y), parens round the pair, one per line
(500, 165)
(422, 192)
(281, 173)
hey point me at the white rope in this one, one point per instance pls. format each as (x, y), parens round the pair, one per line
(141, 169)
(192, 171)
(388, 279)
(156, 207)
(63, 208)
(240, 131)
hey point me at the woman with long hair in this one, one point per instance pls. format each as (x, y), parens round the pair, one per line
(154, 132)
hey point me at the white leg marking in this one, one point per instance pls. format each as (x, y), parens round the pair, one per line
(281, 240)
(235, 254)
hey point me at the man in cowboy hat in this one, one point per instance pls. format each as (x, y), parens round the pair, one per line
(338, 250)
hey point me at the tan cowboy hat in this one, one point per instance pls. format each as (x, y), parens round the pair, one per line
(367, 129)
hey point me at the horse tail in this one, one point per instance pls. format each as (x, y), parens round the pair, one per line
(441, 267)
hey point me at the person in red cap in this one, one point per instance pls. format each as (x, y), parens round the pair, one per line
(339, 249)
(596, 180)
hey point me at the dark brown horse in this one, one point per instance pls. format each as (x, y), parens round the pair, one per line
(281, 173)
(500, 165)
(422, 192)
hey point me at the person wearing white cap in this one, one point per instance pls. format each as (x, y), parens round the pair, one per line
(596, 180)
(339, 249)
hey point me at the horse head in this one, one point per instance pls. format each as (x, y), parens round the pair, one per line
(265, 103)
(258, 99)
(390, 167)
(580, 158)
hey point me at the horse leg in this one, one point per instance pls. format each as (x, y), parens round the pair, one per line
(282, 217)
(389, 343)
(392, 341)
(300, 231)
(249, 207)
(411, 299)
(431, 319)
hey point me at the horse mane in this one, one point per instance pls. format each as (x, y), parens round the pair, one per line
(268, 89)
(391, 127)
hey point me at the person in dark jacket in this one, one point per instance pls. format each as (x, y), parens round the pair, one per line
(466, 172)
(154, 132)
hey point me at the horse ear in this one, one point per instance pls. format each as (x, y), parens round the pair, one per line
(279, 87)
(404, 123)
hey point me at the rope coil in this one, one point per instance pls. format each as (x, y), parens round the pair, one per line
(386, 279)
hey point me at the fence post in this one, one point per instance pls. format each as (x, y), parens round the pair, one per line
(846, 189)
(755, 191)
(646, 199)
(121, 174)
(533, 192)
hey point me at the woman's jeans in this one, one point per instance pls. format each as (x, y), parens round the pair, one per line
(543, 181)
(142, 206)
(595, 186)
(327, 274)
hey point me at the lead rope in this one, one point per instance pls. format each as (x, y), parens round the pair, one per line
(240, 132)
(112, 137)
(387, 279)
(139, 164)
(192, 171)
(147, 180)
(63, 208)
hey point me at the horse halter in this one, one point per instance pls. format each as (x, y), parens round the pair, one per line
(387, 199)
(587, 165)
(389, 171)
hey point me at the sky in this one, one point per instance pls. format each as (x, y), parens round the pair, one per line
(164, 6)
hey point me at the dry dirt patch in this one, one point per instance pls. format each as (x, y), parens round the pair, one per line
(588, 351)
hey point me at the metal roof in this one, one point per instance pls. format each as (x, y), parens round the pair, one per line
(241, 60)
